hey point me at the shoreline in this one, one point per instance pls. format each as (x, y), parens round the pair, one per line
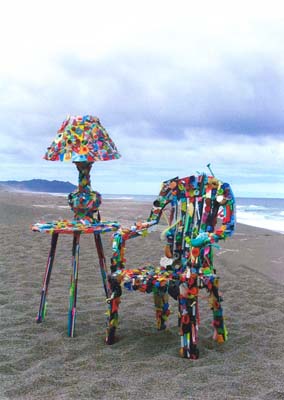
(105, 201)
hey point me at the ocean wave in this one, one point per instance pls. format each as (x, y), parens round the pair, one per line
(266, 221)
(252, 207)
(118, 197)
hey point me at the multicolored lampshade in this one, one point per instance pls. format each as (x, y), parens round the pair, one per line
(82, 139)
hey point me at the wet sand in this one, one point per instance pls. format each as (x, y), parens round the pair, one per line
(39, 361)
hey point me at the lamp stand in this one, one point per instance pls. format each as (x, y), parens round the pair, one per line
(84, 202)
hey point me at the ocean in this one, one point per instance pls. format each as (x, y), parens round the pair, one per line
(259, 212)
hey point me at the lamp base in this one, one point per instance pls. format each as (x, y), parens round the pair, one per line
(84, 202)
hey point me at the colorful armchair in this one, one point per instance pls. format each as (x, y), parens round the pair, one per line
(195, 204)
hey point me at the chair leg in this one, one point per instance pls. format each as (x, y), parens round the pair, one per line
(102, 262)
(220, 332)
(188, 324)
(43, 303)
(161, 301)
(112, 291)
(113, 305)
(74, 285)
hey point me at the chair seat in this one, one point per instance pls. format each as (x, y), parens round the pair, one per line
(152, 279)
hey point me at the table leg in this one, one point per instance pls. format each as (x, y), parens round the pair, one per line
(43, 304)
(74, 284)
(102, 262)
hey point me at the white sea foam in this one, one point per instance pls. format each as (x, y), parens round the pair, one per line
(251, 207)
(255, 207)
(49, 206)
(118, 197)
(261, 221)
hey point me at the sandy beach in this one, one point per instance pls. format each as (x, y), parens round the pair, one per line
(39, 361)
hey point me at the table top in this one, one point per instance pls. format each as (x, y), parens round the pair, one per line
(71, 226)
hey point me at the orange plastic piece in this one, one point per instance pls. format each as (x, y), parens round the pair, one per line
(168, 252)
(220, 339)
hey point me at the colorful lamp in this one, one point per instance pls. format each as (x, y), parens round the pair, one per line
(83, 140)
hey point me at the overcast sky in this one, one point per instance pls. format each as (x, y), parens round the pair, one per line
(177, 85)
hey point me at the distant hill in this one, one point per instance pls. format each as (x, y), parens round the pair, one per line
(39, 185)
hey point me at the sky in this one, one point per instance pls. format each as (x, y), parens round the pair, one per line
(177, 85)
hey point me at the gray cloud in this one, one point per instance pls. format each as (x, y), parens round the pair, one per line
(149, 95)
(243, 95)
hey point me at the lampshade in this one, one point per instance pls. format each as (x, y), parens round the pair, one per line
(82, 139)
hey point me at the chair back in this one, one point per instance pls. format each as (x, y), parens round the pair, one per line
(195, 204)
